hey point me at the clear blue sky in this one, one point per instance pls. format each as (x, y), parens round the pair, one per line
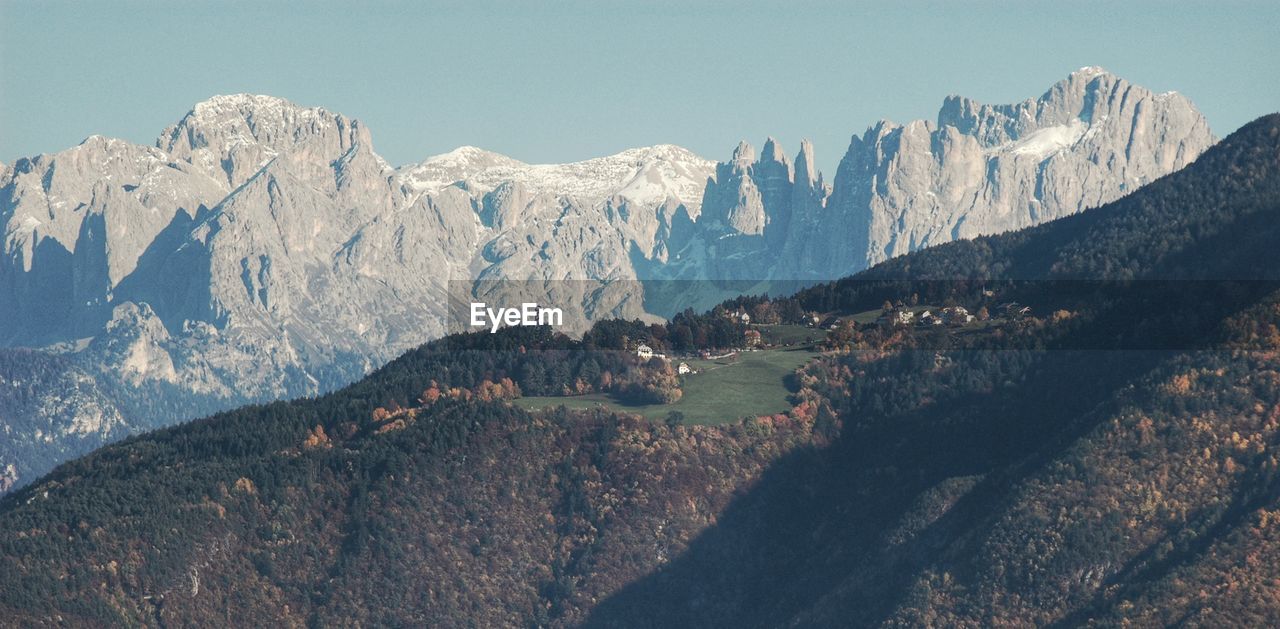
(564, 81)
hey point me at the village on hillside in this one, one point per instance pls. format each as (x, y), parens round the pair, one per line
(754, 375)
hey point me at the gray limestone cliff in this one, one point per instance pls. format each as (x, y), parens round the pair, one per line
(983, 169)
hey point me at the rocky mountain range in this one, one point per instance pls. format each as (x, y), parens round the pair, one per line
(1108, 458)
(977, 170)
(262, 249)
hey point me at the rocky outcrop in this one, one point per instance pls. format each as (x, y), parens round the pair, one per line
(231, 138)
(983, 169)
(733, 203)
(76, 223)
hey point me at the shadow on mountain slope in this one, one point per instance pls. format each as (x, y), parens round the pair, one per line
(816, 526)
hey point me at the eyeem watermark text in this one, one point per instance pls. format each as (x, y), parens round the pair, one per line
(528, 314)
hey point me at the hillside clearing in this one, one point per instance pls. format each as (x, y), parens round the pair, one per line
(722, 390)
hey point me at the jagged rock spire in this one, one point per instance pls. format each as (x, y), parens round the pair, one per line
(804, 169)
(772, 152)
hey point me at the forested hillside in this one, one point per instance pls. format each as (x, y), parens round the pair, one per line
(1045, 477)
(1112, 456)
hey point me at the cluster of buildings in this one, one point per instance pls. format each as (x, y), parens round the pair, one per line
(951, 315)
(644, 352)
(954, 315)
(1013, 310)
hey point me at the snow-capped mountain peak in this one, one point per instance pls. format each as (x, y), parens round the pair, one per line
(232, 136)
(646, 174)
(1089, 71)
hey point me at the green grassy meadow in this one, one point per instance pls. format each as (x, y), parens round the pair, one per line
(784, 334)
(723, 390)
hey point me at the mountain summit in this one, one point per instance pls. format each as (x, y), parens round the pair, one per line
(232, 137)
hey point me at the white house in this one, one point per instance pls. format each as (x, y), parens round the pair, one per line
(957, 315)
(683, 369)
(644, 351)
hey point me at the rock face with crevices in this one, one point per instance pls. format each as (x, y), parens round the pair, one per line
(984, 169)
(977, 170)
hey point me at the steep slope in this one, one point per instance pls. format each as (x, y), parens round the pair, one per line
(1001, 484)
(539, 498)
(77, 223)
